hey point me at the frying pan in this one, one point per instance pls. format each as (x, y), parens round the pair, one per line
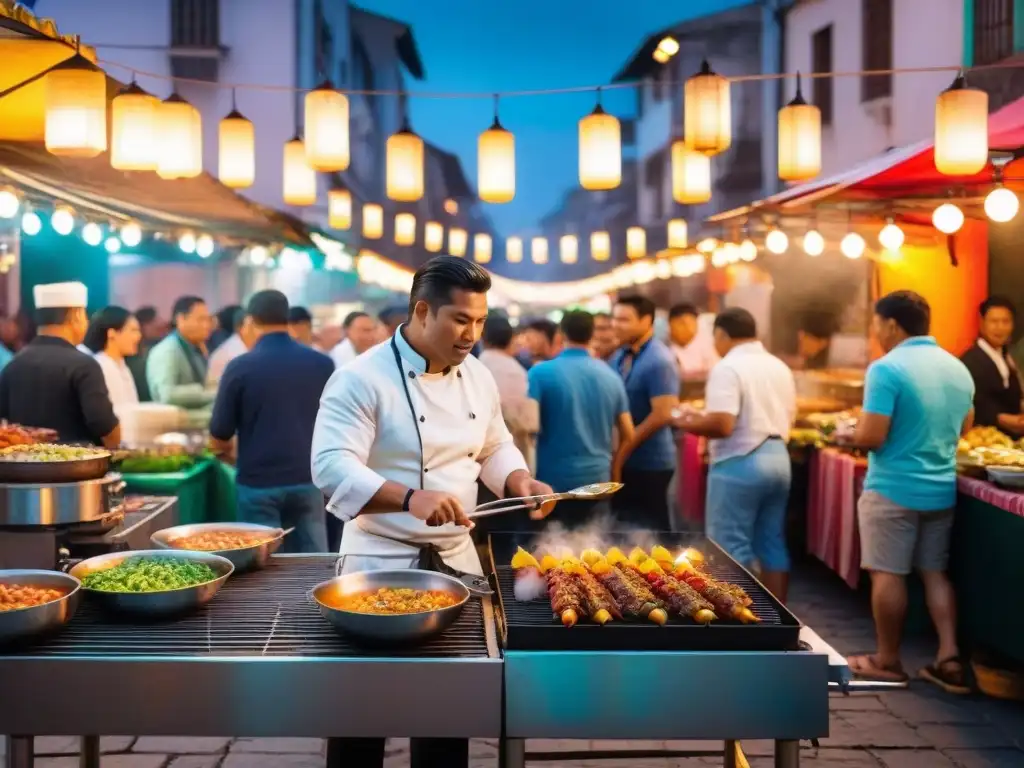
(55, 471)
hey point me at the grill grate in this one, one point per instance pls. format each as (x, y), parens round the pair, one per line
(262, 613)
(533, 626)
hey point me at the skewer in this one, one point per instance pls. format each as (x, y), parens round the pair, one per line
(597, 600)
(685, 567)
(565, 595)
(633, 602)
(718, 595)
(679, 596)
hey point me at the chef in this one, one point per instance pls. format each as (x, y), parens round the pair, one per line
(53, 385)
(402, 436)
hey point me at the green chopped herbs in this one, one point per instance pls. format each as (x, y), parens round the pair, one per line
(150, 574)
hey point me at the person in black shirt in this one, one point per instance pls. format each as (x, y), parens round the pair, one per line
(997, 387)
(50, 383)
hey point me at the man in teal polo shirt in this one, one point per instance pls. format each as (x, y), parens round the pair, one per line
(917, 403)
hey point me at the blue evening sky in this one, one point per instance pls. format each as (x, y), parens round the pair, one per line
(494, 45)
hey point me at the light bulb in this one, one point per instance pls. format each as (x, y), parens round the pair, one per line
(948, 219)
(852, 246)
(31, 224)
(258, 255)
(92, 233)
(776, 241)
(131, 234)
(112, 244)
(891, 237)
(719, 258)
(814, 243)
(748, 250)
(1001, 205)
(187, 243)
(62, 220)
(9, 203)
(205, 246)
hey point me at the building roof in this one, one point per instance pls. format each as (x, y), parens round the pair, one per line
(405, 43)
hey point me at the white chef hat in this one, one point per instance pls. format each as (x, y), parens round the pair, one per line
(61, 296)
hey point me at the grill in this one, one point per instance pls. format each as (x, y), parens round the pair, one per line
(531, 626)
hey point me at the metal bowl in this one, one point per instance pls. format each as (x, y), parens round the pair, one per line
(39, 619)
(398, 629)
(168, 603)
(244, 559)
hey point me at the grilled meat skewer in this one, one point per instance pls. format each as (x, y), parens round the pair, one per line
(679, 596)
(719, 595)
(598, 602)
(566, 596)
(632, 601)
(685, 568)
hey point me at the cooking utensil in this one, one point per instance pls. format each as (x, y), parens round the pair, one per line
(591, 492)
(244, 558)
(74, 471)
(166, 603)
(61, 504)
(393, 629)
(29, 622)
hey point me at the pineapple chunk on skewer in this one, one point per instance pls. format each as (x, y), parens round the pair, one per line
(523, 559)
(547, 563)
(637, 555)
(615, 556)
(662, 556)
(591, 556)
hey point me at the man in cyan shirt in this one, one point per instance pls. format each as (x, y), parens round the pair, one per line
(917, 403)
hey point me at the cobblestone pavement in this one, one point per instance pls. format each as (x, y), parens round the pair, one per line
(918, 728)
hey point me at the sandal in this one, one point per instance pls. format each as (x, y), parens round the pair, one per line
(866, 667)
(948, 674)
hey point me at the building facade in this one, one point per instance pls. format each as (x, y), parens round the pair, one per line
(993, 33)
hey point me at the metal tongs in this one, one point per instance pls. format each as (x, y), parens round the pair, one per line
(592, 492)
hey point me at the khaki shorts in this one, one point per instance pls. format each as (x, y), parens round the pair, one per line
(894, 539)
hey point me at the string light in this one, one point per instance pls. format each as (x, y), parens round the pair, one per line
(112, 244)
(776, 241)
(1001, 205)
(9, 203)
(31, 224)
(948, 218)
(62, 220)
(92, 233)
(748, 250)
(131, 234)
(187, 243)
(814, 243)
(891, 236)
(205, 246)
(852, 246)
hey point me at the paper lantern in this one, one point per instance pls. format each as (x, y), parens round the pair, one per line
(568, 249)
(496, 164)
(691, 175)
(373, 221)
(852, 246)
(514, 250)
(92, 233)
(405, 229)
(600, 151)
(457, 241)
(814, 243)
(1001, 205)
(433, 236)
(339, 208)
(600, 246)
(776, 241)
(405, 166)
(326, 128)
(76, 108)
(179, 139)
(707, 112)
(799, 139)
(482, 247)
(236, 151)
(299, 180)
(677, 233)
(539, 250)
(891, 237)
(133, 121)
(636, 242)
(948, 219)
(961, 130)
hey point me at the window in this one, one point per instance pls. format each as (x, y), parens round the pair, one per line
(821, 61)
(654, 170)
(195, 23)
(876, 44)
(323, 42)
(993, 30)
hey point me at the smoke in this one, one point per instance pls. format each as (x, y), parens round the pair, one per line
(601, 533)
(529, 585)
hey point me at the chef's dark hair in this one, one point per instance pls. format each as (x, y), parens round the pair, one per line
(997, 301)
(184, 305)
(106, 320)
(578, 326)
(268, 308)
(435, 281)
(909, 310)
(736, 323)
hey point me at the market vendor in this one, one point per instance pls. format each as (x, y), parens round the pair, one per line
(403, 433)
(50, 383)
(997, 387)
(176, 368)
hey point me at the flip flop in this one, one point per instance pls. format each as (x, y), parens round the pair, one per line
(865, 667)
(949, 680)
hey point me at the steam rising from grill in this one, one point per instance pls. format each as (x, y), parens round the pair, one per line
(601, 534)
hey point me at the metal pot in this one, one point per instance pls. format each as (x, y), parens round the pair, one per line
(59, 504)
(399, 629)
(244, 558)
(39, 619)
(74, 471)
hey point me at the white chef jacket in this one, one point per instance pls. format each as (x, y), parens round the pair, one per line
(366, 433)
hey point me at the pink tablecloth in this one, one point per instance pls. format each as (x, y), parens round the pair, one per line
(836, 480)
(693, 474)
(1011, 501)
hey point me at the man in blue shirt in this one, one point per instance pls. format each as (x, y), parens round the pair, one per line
(582, 402)
(917, 403)
(646, 463)
(269, 398)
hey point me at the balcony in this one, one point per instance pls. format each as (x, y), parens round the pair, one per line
(195, 39)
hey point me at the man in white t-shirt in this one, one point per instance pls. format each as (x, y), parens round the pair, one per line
(694, 351)
(750, 405)
(360, 335)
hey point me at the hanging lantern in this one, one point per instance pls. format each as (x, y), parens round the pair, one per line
(799, 139)
(707, 245)
(76, 108)
(482, 247)
(496, 163)
(1001, 205)
(405, 166)
(814, 243)
(677, 233)
(636, 242)
(179, 139)
(600, 150)
(133, 130)
(691, 175)
(948, 219)
(433, 236)
(568, 249)
(327, 129)
(961, 130)
(514, 250)
(891, 237)
(405, 229)
(457, 241)
(236, 151)
(600, 246)
(776, 241)
(339, 208)
(373, 221)
(852, 246)
(707, 112)
(299, 180)
(539, 250)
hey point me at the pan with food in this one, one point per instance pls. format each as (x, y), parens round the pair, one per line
(35, 602)
(52, 463)
(247, 545)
